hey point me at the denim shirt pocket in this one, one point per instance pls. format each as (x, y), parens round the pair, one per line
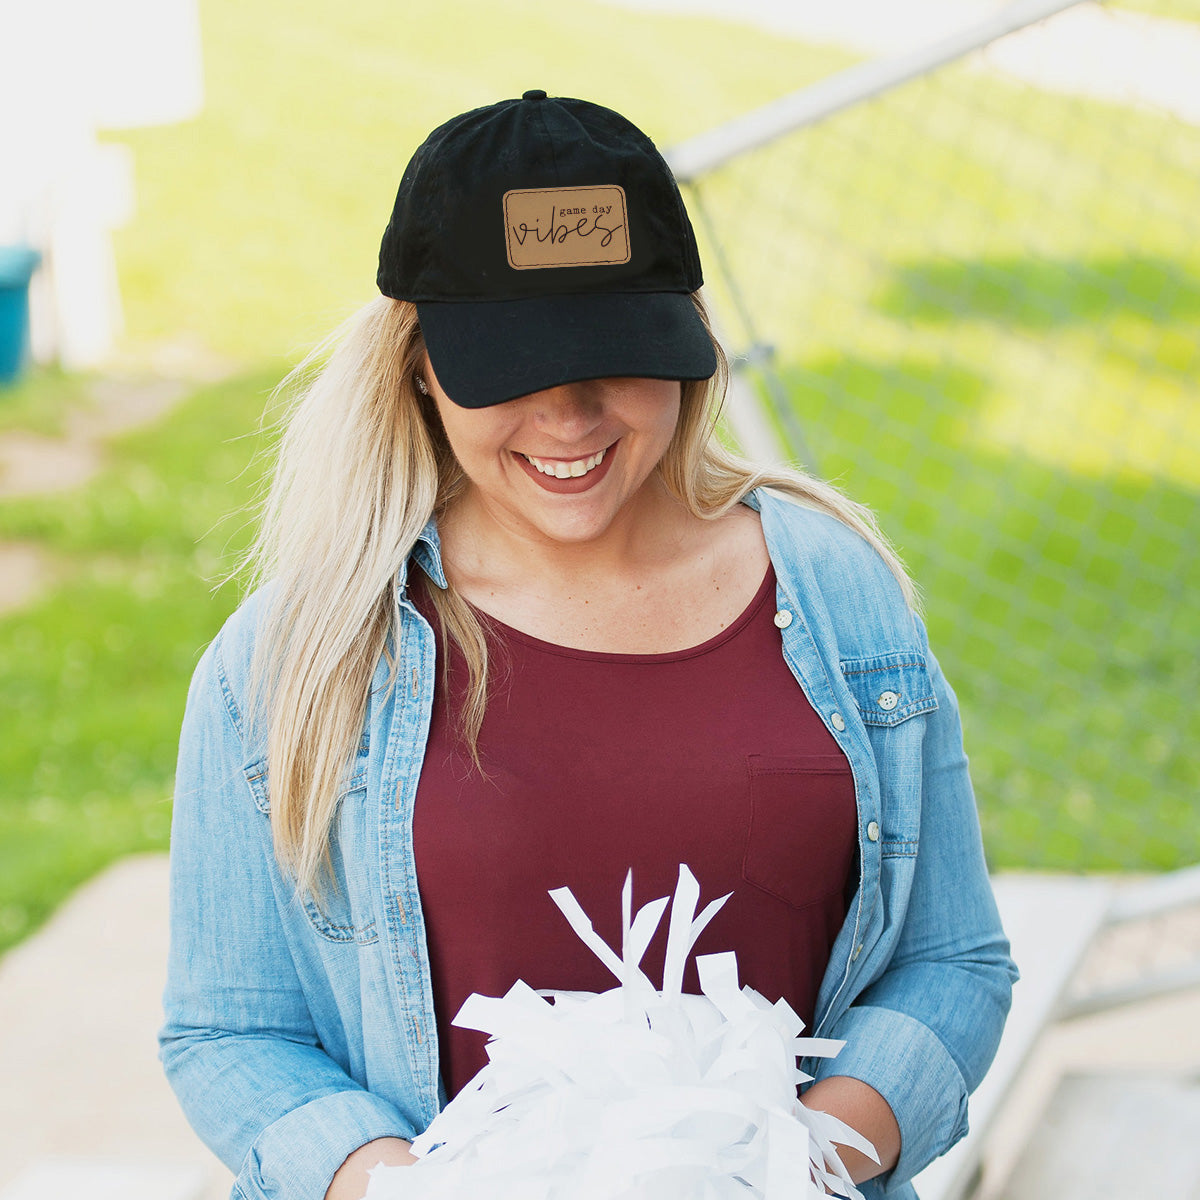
(890, 688)
(331, 910)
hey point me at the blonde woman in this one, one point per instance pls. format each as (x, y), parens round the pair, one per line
(526, 623)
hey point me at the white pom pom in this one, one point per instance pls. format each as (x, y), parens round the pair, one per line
(636, 1093)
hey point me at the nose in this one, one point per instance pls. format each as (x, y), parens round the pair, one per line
(570, 412)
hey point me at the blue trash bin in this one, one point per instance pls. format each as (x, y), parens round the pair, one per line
(17, 264)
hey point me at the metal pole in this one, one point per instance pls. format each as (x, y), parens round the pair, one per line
(711, 149)
(757, 438)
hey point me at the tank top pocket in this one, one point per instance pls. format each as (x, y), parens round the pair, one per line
(802, 825)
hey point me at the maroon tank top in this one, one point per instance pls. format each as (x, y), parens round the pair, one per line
(596, 763)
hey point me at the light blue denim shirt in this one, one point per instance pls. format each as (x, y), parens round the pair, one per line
(297, 1031)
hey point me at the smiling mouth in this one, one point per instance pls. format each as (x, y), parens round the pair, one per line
(557, 469)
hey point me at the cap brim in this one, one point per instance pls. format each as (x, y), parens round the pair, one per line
(487, 352)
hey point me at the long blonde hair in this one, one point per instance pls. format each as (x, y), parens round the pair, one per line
(362, 466)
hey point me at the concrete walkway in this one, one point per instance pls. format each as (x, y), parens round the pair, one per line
(83, 1096)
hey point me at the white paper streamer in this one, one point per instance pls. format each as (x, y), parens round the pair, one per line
(634, 1093)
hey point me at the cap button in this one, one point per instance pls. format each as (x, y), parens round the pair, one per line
(534, 94)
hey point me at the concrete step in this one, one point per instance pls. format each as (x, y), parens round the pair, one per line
(1113, 1137)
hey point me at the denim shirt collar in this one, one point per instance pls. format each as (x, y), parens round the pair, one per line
(428, 555)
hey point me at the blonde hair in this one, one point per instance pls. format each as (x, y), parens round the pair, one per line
(362, 466)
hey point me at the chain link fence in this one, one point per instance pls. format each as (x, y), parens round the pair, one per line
(974, 302)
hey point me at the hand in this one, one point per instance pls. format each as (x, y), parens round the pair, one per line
(350, 1180)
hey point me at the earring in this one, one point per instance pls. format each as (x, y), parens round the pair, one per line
(422, 387)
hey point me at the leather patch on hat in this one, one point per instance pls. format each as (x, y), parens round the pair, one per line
(566, 227)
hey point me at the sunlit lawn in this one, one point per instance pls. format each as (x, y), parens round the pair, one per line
(92, 678)
(919, 343)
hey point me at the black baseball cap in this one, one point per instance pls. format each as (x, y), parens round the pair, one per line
(544, 241)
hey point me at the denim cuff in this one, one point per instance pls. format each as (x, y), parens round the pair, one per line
(909, 1067)
(299, 1154)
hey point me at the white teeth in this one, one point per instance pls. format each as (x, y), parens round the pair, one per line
(571, 470)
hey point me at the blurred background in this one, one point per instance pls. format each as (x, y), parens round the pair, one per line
(962, 279)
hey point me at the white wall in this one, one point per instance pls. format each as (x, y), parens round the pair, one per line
(70, 69)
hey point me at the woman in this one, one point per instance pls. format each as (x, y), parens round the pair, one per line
(528, 624)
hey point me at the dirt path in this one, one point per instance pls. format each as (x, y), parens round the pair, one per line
(35, 465)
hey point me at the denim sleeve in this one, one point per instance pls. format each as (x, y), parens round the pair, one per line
(925, 1032)
(238, 1044)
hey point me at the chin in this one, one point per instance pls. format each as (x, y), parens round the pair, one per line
(574, 535)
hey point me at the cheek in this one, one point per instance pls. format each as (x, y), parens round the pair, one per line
(669, 412)
(672, 422)
(476, 437)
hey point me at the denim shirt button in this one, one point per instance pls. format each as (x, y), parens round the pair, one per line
(888, 701)
(783, 619)
(873, 831)
(838, 721)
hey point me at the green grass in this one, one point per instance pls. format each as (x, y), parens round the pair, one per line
(985, 310)
(94, 675)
